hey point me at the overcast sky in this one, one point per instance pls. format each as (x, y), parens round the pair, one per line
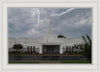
(34, 22)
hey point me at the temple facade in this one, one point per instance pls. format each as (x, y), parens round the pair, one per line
(48, 44)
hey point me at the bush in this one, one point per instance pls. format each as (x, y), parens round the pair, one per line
(17, 47)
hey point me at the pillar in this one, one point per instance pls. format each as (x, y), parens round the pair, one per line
(40, 50)
(61, 50)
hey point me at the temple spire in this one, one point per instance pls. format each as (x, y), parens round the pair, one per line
(50, 20)
(50, 27)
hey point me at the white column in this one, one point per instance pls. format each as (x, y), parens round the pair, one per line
(40, 50)
(61, 50)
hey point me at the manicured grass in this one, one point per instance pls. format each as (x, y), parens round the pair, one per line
(71, 62)
(75, 62)
(22, 62)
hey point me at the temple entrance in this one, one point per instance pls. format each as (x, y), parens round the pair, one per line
(51, 49)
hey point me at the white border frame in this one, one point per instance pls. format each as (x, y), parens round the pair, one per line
(59, 66)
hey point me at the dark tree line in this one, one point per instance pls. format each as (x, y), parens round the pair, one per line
(61, 36)
(86, 49)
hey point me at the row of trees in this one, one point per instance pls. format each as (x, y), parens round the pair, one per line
(18, 47)
(86, 49)
(72, 49)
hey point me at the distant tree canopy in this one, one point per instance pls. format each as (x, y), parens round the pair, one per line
(88, 46)
(17, 47)
(61, 36)
(86, 49)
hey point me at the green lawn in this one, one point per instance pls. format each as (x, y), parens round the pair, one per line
(22, 62)
(75, 62)
(71, 62)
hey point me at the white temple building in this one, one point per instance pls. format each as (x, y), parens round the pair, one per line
(50, 43)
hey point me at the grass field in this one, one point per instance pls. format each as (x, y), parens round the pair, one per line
(75, 62)
(67, 62)
(22, 62)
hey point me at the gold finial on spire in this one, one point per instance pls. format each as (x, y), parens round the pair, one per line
(50, 19)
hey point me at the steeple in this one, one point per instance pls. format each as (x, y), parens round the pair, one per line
(50, 20)
(50, 27)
